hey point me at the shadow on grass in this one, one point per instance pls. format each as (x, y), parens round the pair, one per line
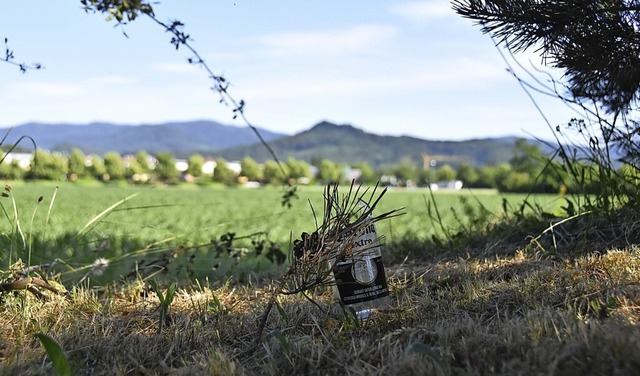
(100, 261)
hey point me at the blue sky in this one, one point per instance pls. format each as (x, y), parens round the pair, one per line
(389, 67)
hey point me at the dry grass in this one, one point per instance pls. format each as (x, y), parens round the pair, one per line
(507, 315)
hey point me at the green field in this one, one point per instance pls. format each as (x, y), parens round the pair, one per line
(156, 221)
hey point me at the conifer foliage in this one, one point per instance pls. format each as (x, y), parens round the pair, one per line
(597, 42)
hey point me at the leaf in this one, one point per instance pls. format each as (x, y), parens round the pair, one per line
(282, 313)
(171, 291)
(217, 304)
(157, 290)
(55, 353)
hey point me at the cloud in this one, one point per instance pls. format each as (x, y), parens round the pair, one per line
(69, 89)
(422, 11)
(52, 89)
(422, 75)
(329, 43)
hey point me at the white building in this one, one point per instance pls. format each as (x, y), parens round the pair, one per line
(22, 159)
(208, 167)
(182, 165)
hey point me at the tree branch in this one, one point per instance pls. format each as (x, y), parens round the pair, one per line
(29, 284)
(9, 57)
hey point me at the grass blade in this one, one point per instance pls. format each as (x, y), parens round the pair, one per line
(104, 213)
(55, 353)
(282, 312)
(46, 221)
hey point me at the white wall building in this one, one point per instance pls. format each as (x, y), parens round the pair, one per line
(22, 159)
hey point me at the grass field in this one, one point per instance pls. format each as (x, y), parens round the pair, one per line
(153, 222)
(472, 312)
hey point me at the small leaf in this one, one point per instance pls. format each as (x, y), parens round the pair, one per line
(216, 302)
(55, 353)
(171, 291)
(282, 313)
(157, 290)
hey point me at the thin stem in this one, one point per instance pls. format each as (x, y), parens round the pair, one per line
(221, 85)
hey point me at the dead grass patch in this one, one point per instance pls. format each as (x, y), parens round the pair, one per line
(521, 314)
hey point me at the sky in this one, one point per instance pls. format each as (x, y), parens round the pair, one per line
(389, 67)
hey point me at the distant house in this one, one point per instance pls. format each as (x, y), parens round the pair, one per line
(389, 180)
(22, 159)
(208, 167)
(451, 185)
(235, 166)
(352, 174)
(182, 165)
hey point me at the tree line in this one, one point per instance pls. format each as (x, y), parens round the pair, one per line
(528, 170)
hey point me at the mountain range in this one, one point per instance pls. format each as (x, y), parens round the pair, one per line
(180, 138)
(350, 145)
(338, 143)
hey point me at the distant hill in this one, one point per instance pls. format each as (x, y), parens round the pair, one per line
(181, 138)
(350, 145)
(339, 143)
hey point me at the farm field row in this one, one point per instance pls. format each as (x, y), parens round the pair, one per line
(159, 218)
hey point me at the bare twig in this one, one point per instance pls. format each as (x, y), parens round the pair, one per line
(30, 284)
(9, 57)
